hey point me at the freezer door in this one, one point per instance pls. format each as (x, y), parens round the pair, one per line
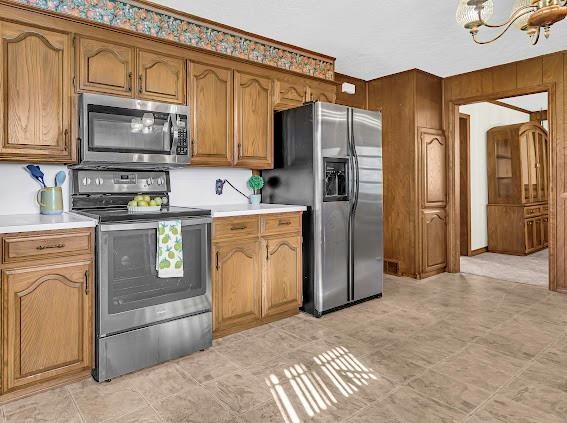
(331, 217)
(367, 228)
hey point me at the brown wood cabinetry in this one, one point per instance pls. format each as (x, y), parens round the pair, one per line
(282, 275)
(211, 102)
(434, 241)
(237, 283)
(518, 188)
(35, 82)
(47, 288)
(47, 318)
(122, 70)
(253, 121)
(433, 171)
(325, 94)
(288, 95)
(415, 172)
(105, 67)
(161, 77)
(257, 270)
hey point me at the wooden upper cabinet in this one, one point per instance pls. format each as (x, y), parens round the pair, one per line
(288, 95)
(433, 168)
(35, 82)
(211, 104)
(253, 121)
(160, 77)
(47, 322)
(325, 94)
(104, 67)
(282, 290)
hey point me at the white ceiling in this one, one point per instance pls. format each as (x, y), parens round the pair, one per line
(532, 102)
(373, 38)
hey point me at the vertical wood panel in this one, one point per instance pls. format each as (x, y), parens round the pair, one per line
(530, 72)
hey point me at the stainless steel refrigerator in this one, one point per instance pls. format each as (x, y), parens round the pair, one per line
(329, 158)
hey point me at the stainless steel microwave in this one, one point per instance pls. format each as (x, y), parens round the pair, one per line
(125, 132)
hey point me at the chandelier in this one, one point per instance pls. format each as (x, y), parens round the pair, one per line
(530, 16)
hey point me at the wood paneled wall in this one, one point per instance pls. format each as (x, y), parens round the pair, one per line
(410, 102)
(358, 99)
(543, 73)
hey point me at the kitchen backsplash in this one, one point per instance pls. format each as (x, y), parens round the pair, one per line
(189, 186)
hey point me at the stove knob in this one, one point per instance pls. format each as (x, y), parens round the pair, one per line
(99, 181)
(149, 181)
(86, 181)
(160, 181)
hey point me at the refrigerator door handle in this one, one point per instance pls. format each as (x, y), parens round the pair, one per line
(350, 258)
(352, 208)
(356, 168)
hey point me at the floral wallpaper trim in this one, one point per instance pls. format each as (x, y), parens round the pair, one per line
(127, 14)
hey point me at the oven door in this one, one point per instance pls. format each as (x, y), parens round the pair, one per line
(132, 132)
(130, 294)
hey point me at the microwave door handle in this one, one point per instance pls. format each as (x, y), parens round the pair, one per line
(175, 131)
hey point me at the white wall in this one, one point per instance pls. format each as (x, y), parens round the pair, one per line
(18, 189)
(196, 186)
(190, 187)
(484, 116)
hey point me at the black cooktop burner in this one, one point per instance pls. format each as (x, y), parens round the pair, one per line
(122, 214)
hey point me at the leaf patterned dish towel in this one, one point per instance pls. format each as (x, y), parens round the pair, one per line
(169, 262)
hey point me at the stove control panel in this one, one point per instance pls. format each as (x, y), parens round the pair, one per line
(121, 182)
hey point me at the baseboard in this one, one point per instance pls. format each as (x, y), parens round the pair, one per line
(478, 251)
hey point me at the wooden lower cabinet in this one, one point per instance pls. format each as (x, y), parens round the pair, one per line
(517, 229)
(257, 270)
(282, 290)
(433, 242)
(47, 324)
(46, 312)
(237, 282)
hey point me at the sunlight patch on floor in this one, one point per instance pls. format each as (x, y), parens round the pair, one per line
(310, 387)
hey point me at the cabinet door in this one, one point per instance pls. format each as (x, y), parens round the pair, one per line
(529, 228)
(327, 94)
(434, 240)
(433, 169)
(253, 121)
(288, 95)
(211, 101)
(282, 275)
(47, 318)
(105, 67)
(161, 78)
(545, 231)
(36, 88)
(236, 284)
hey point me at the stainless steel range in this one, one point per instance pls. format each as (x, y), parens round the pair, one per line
(143, 319)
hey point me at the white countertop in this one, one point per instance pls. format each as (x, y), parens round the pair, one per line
(227, 210)
(11, 223)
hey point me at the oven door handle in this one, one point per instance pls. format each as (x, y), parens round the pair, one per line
(150, 225)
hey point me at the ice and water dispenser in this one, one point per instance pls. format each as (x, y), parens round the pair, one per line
(336, 179)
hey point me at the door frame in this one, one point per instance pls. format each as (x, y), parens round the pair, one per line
(467, 174)
(453, 206)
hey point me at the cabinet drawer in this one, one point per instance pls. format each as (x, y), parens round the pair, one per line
(532, 211)
(279, 223)
(235, 227)
(45, 245)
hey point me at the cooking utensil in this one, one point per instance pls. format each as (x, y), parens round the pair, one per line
(36, 173)
(60, 178)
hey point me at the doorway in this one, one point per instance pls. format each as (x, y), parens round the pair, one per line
(504, 188)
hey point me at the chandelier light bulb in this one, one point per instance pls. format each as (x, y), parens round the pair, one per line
(467, 12)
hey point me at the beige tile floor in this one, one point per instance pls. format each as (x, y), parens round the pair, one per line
(447, 349)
